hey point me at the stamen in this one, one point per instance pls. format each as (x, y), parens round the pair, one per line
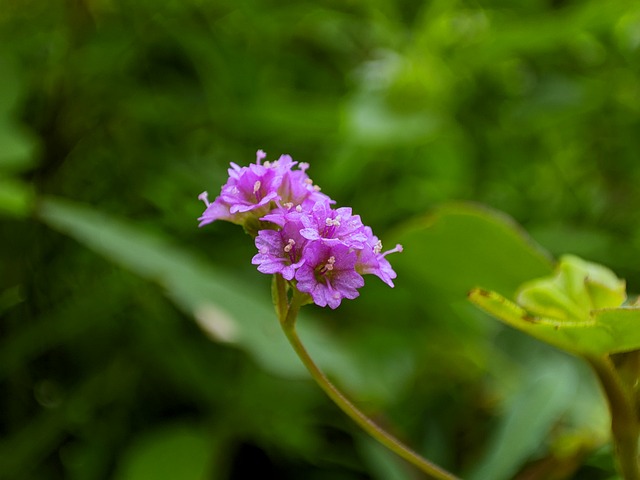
(260, 155)
(377, 248)
(316, 188)
(303, 166)
(288, 205)
(289, 245)
(332, 222)
(308, 181)
(204, 196)
(327, 267)
(330, 262)
(398, 248)
(299, 208)
(256, 186)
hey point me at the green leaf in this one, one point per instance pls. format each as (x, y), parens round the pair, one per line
(606, 331)
(461, 246)
(573, 291)
(622, 326)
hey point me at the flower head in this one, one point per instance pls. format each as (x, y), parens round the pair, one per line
(322, 251)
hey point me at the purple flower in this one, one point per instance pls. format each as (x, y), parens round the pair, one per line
(328, 274)
(372, 261)
(323, 251)
(298, 189)
(280, 251)
(248, 189)
(255, 190)
(334, 226)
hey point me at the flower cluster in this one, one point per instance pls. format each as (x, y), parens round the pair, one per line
(323, 251)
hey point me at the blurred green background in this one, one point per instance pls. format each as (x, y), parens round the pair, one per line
(134, 345)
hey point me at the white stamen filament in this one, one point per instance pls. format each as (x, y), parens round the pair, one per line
(204, 196)
(398, 248)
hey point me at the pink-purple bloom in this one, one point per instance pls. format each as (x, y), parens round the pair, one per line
(329, 274)
(322, 251)
(333, 226)
(281, 251)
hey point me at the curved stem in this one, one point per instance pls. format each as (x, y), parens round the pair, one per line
(368, 425)
(625, 425)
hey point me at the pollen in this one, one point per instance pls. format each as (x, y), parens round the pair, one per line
(308, 181)
(256, 186)
(288, 205)
(330, 263)
(289, 245)
(332, 222)
(377, 248)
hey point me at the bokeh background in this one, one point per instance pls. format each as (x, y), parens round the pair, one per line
(134, 345)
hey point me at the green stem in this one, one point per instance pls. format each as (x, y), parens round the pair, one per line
(625, 426)
(385, 438)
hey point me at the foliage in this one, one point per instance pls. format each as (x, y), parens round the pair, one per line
(115, 115)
